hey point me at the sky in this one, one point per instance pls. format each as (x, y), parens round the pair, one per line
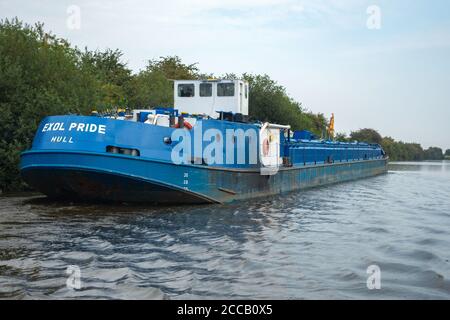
(375, 64)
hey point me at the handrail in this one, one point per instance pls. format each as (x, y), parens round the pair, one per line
(275, 126)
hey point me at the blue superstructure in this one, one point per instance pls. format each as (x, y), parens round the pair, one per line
(317, 152)
(167, 156)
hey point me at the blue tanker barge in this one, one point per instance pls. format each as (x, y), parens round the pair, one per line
(204, 151)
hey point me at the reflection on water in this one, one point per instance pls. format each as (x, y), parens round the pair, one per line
(311, 244)
(427, 166)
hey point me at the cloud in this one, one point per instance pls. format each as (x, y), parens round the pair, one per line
(230, 13)
(320, 50)
(436, 38)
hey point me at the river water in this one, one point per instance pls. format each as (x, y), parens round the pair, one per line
(315, 244)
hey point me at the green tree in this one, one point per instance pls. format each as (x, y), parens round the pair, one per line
(109, 70)
(40, 75)
(173, 68)
(434, 153)
(341, 136)
(150, 89)
(268, 101)
(400, 151)
(153, 86)
(366, 135)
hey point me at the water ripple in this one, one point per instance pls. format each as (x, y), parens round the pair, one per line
(316, 243)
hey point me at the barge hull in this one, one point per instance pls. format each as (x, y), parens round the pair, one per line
(89, 176)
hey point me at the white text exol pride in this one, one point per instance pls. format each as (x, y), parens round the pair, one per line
(75, 126)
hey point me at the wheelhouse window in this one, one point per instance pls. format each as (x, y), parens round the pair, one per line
(246, 91)
(205, 89)
(186, 90)
(225, 89)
